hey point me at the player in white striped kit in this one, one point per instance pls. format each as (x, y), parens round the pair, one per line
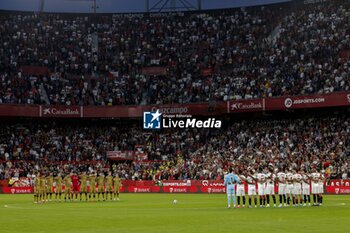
(240, 192)
(315, 190)
(305, 188)
(282, 186)
(270, 187)
(289, 187)
(261, 179)
(297, 177)
(251, 180)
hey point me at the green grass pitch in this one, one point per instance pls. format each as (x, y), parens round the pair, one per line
(156, 213)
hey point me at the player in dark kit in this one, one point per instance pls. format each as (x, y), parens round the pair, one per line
(92, 181)
(68, 187)
(117, 183)
(49, 184)
(42, 196)
(101, 186)
(58, 189)
(109, 185)
(37, 188)
(83, 185)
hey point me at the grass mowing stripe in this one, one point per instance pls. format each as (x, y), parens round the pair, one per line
(156, 213)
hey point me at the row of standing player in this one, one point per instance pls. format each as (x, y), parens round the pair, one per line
(294, 187)
(88, 184)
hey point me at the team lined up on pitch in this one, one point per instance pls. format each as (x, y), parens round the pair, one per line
(294, 187)
(76, 187)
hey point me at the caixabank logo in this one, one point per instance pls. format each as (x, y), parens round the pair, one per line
(155, 120)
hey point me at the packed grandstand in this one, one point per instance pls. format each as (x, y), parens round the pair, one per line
(174, 58)
(307, 142)
(212, 57)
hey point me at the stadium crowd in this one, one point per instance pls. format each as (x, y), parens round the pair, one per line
(305, 143)
(200, 57)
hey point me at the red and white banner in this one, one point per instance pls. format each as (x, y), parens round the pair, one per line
(141, 157)
(121, 155)
(21, 182)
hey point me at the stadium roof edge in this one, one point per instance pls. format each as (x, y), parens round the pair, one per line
(266, 3)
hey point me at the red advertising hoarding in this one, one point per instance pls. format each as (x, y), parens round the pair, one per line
(205, 189)
(176, 183)
(19, 110)
(308, 101)
(189, 186)
(143, 189)
(254, 105)
(208, 183)
(61, 111)
(199, 109)
(17, 190)
(196, 109)
(171, 189)
(338, 187)
(339, 183)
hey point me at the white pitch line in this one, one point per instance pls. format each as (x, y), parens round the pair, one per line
(20, 207)
(12, 207)
(329, 205)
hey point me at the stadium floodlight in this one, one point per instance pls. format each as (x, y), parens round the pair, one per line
(41, 5)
